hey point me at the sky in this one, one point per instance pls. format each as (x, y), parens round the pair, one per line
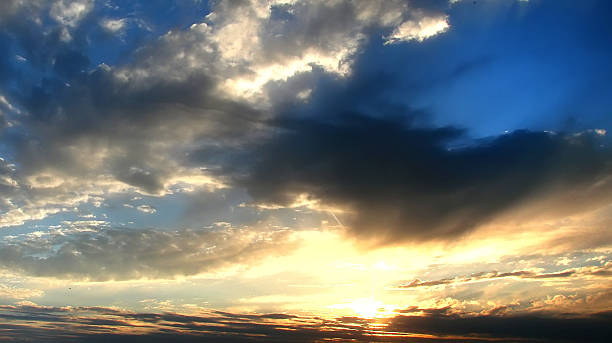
(305, 171)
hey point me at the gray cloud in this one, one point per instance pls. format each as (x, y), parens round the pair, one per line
(133, 122)
(129, 120)
(404, 183)
(122, 254)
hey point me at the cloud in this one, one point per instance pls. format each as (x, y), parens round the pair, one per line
(37, 196)
(104, 126)
(419, 30)
(10, 7)
(399, 183)
(99, 125)
(19, 293)
(95, 324)
(604, 271)
(274, 40)
(546, 327)
(69, 13)
(113, 25)
(121, 129)
(146, 209)
(56, 131)
(100, 254)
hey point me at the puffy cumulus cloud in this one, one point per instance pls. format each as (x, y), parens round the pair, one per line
(122, 121)
(131, 123)
(274, 40)
(76, 178)
(104, 125)
(107, 129)
(250, 43)
(402, 183)
(65, 152)
(70, 12)
(99, 254)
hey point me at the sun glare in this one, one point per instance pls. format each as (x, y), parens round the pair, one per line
(367, 308)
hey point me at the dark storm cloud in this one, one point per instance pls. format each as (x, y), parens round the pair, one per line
(123, 254)
(406, 183)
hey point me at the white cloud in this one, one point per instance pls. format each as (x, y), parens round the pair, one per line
(70, 12)
(19, 216)
(146, 209)
(251, 43)
(274, 40)
(113, 25)
(419, 30)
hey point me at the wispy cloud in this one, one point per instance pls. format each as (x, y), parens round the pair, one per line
(604, 271)
(99, 254)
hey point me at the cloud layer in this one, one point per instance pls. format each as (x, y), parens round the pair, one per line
(103, 324)
(124, 254)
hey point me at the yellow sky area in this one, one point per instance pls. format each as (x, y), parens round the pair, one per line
(329, 275)
(338, 277)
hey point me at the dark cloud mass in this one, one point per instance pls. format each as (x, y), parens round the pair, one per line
(408, 183)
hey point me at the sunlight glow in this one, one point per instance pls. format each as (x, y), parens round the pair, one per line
(367, 308)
